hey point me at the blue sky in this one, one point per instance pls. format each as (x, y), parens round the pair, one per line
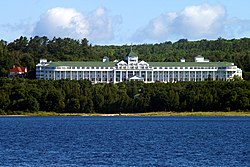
(106, 22)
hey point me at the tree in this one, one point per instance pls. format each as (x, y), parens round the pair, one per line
(30, 104)
(73, 105)
(4, 100)
(86, 104)
(53, 101)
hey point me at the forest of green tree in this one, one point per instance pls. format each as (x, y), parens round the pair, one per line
(72, 96)
(30, 95)
(27, 52)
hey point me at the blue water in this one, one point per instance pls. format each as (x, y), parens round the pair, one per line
(125, 141)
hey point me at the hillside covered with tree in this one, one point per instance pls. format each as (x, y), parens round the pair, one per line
(27, 52)
(29, 95)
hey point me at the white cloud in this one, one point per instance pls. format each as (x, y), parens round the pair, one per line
(67, 22)
(193, 22)
(101, 25)
(200, 21)
(158, 27)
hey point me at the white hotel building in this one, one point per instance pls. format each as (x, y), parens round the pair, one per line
(133, 69)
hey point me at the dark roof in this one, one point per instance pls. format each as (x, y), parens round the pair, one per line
(132, 54)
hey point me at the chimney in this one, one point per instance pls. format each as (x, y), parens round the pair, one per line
(183, 60)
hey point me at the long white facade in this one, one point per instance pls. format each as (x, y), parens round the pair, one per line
(133, 69)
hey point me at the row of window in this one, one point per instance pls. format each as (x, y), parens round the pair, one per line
(149, 76)
(118, 72)
(135, 67)
(62, 67)
(143, 74)
(132, 67)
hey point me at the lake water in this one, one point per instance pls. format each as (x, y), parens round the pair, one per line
(125, 141)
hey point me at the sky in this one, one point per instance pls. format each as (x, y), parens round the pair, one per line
(121, 22)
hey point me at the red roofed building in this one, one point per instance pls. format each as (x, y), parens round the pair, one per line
(18, 72)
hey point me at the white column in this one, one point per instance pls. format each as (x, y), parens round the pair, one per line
(163, 76)
(189, 75)
(126, 74)
(146, 76)
(152, 75)
(120, 76)
(168, 77)
(114, 76)
(178, 75)
(158, 75)
(195, 76)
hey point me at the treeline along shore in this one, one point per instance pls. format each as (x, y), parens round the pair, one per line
(81, 96)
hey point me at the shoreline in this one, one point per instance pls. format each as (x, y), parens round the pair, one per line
(205, 114)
